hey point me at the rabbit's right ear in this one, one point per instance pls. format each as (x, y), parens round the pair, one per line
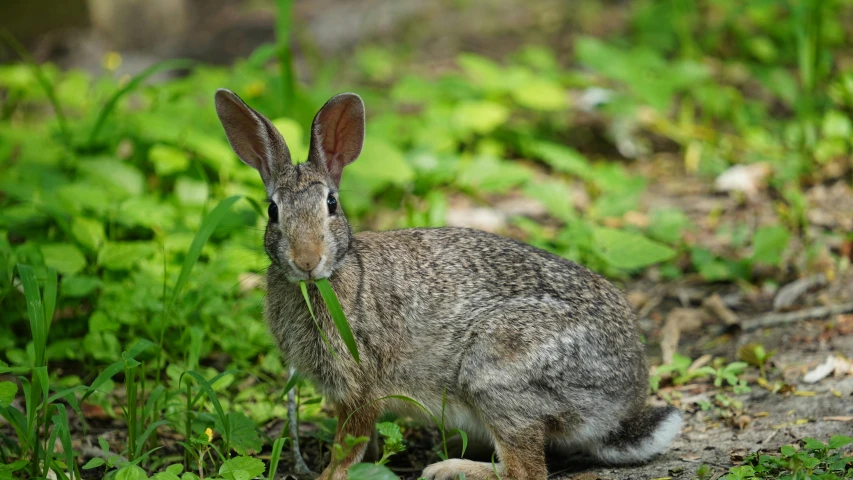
(252, 136)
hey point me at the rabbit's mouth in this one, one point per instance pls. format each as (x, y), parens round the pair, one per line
(296, 274)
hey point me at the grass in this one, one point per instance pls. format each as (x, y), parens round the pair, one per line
(129, 264)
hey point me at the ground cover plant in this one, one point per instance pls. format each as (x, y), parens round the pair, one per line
(699, 154)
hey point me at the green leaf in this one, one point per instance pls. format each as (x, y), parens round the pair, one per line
(838, 441)
(629, 250)
(79, 286)
(561, 158)
(556, 196)
(489, 174)
(7, 393)
(787, 451)
(39, 326)
(64, 257)
(241, 468)
(338, 316)
(165, 476)
(668, 225)
(121, 179)
(124, 255)
(393, 436)
(93, 463)
(89, 233)
(479, 116)
(381, 163)
(191, 192)
(304, 287)
(769, 244)
(131, 472)
(168, 160)
(244, 435)
(813, 444)
(542, 94)
(370, 471)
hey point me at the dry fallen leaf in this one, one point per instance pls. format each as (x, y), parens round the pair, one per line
(749, 179)
(832, 364)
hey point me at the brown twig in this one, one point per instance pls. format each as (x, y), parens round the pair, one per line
(776, 319)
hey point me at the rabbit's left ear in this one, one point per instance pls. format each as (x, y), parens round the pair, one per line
(337, 134)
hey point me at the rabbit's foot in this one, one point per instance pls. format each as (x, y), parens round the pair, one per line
(450, 470)
(333, 474)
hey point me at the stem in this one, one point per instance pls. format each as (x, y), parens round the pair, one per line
(188, 427)
(130, 388)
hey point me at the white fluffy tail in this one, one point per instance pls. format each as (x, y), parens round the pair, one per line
(642, 437)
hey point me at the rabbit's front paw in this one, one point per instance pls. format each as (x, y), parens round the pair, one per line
(450, 470)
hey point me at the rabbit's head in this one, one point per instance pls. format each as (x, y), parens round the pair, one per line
(307, 235)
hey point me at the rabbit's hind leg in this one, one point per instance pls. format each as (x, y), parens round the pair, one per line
(521, 455)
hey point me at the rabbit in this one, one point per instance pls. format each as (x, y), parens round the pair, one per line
(529, 349)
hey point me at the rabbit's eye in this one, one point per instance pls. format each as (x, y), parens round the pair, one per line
(332, 203)
(272, 211)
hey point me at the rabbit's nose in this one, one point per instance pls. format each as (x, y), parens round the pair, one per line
(306, 260)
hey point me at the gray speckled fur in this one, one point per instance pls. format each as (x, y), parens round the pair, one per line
(530, 347)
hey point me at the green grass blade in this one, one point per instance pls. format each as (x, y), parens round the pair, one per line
(283, 30)
(49, 298)
(134, 83)
(277, 446)
(43, 82)
(205, 385)
(208, 226)
(60, 424)
(105, 375)
(35, 310)
(304, 288)
(338, 316)
(143, 437)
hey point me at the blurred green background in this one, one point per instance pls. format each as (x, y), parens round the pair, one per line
(650, 140)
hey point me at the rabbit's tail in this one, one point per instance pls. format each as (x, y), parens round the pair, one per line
(641, 437)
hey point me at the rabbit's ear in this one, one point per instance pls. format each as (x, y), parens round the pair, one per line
(252, 136)
(337, 134)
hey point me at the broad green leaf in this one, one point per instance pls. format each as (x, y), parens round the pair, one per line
(629, 250)
(121, 179)
(131, 472)
(838, 441)
(168, 160)
(370, 471)
(541, 94)
(489, 174)
(146, 211)
(88, 232)
(668, 225)
(561, 158)
(165, 476)
(241, 468)
(75, 286)
(555, 196)
(338, 316)
(244, 435)
(93, 463)
(837, 125)
(380, 163)
(769, 243)
(124, 255)
(7, 393)
(191, 192)
(481, 116)
(64, 257)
